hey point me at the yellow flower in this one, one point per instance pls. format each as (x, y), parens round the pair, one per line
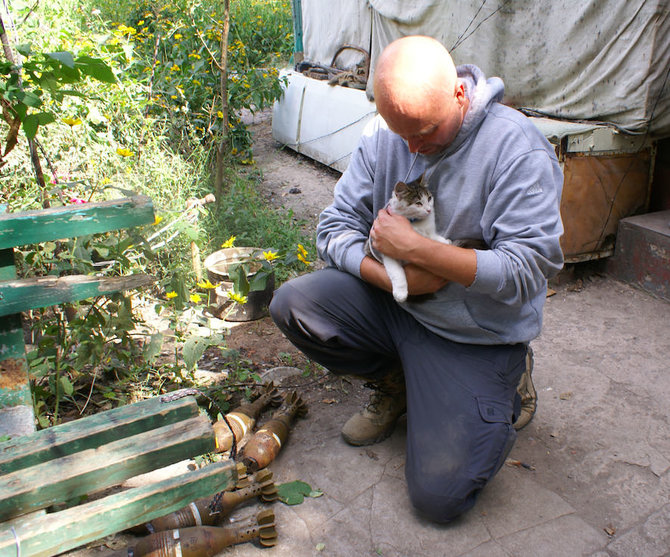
(126, 30)
(177, 36)
(174, 68)
(195, 298)
(229, 243)
(219, 114)
(207, 284)
(171, 295)
(124, 152)
(235, 297)
(157, 220)
(72, 121)
(302, 254)
(270, 255)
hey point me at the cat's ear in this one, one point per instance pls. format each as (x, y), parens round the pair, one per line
(401, 187)
(422, 178)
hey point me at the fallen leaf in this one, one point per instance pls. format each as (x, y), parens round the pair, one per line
(294, 493)
(320, 546)
(565, 396)
(518, 464)
(329, 401)
(371, 454)
(610, 530)
(550, 292)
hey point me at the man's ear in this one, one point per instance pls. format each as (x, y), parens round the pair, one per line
(460, 92)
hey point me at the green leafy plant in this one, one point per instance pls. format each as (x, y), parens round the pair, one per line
(254, 271)
(23, 87)
(75, 346)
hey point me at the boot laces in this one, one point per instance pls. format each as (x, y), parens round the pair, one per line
(378, 396)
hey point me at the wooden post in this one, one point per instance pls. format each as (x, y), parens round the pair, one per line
(16, 405)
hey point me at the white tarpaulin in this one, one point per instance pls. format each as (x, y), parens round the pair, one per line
(603, 60)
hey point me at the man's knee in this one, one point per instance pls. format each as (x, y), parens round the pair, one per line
(280, 306)
(439, 504)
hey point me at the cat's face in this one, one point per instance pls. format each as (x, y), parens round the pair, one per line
(412, 201)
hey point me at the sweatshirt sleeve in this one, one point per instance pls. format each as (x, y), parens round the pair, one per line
(522, 225)
(344, 226)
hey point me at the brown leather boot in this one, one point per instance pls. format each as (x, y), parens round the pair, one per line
(377, 420)
(527, 392)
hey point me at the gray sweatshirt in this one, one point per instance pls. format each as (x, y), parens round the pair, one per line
(499, 181)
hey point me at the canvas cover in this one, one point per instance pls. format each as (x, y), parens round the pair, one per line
(602, 60)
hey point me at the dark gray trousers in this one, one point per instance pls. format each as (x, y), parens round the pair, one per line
(460, 397)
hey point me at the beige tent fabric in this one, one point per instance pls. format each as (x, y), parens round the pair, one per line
(603, 60)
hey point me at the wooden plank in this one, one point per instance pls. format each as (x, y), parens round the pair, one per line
(16, 405)
(32, 227)
(87, 471)
(55, 533)
(7, 267)
(14, 385)
(92, 431)
(24, 294)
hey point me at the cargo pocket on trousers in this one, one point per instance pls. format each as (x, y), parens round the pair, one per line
(495, 412)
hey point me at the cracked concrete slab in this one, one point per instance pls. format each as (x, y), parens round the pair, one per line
(589, 476)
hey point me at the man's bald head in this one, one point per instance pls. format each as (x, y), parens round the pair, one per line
(415, 86)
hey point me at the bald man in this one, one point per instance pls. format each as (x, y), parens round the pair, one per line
(455, 356)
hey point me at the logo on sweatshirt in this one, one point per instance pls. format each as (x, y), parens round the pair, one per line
(534, 189)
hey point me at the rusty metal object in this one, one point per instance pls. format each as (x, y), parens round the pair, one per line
(243, 418)
(204, 541)
(598, 191)
(356, 77)
(266, 443)
(213, 511)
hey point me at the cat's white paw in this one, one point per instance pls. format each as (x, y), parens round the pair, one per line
(400, 294)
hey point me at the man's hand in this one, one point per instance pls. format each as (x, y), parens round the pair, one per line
(393, 235)
(430, 264)
(420, 281)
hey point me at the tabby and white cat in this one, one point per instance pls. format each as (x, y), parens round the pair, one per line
(414, 202)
